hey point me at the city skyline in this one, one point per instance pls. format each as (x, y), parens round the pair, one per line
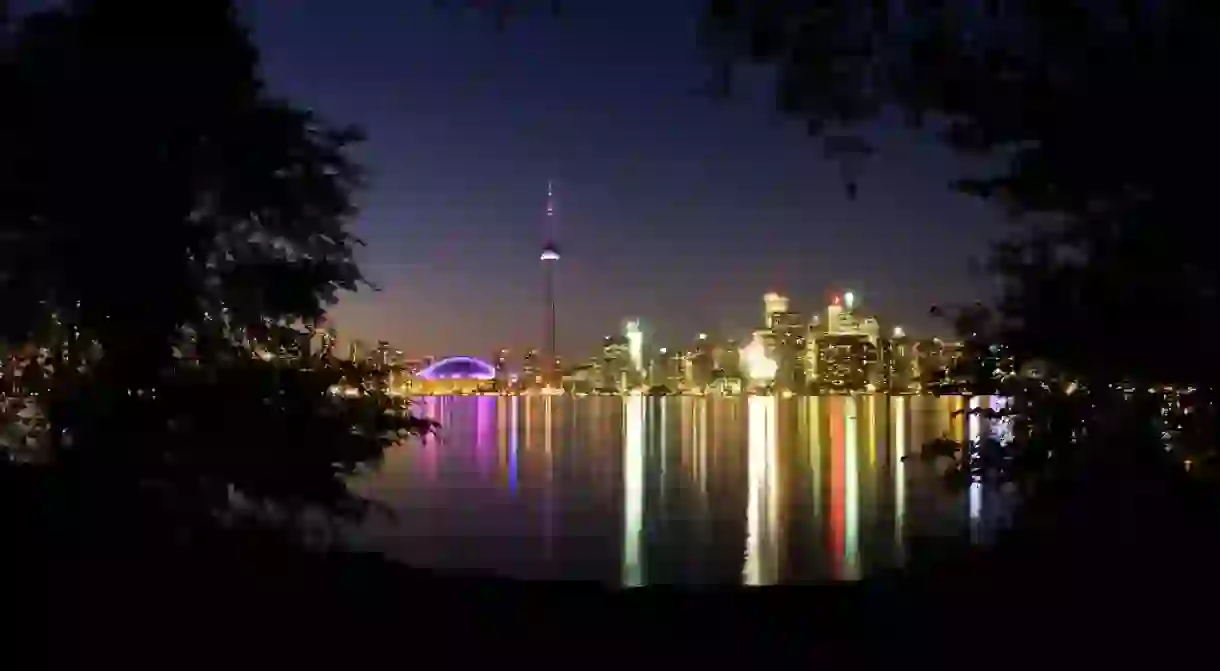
(641, 337)
(836, 348)
(645, 330)
(676, 207)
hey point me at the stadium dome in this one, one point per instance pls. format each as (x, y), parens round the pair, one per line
(459, 367)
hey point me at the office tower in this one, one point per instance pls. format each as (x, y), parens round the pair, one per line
(635, 344)
(499, 360)
(617, 369)
(531, 376)
(834, 315)
(773, 304)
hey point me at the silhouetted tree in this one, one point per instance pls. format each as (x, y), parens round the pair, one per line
(1090, 110)
(168, 227)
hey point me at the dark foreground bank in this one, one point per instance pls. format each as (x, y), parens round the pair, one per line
(1115, 562)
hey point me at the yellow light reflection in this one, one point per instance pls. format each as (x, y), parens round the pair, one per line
(633, 489)
(663, 437)
(529, 424)
(815, 451)
(549, 497)
(900, 476)
(502, 429)
(546, 434)
(699, 427)
(851, 491)
(773, 508)
(761, 561)
(872, 432)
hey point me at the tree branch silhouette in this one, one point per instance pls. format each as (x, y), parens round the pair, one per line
(168, 223)
(1087, 107)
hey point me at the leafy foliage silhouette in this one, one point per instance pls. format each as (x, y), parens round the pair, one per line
(173, 234)
(1058, 94)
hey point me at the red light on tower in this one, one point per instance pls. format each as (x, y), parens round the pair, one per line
(837, 300)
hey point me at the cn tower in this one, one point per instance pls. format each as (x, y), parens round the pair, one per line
(550, 256)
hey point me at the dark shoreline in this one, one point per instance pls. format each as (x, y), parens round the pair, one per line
(1115, 561)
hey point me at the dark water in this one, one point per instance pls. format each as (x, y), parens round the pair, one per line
(636, 491)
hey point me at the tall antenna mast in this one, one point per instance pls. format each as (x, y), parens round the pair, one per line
(550, 210)
(550, 255)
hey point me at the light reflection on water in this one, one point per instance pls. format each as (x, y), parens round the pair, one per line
(636, 491)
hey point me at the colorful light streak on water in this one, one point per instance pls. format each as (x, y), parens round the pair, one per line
(633, 489)
(974, 429)
(513, 435)
(900, 476)
(760, 565)
(815, 454)
(872, 431)
(837, 493)
(851, 492)
(432, 409)
(502, 429)
(485, 435)
(700, 440)
(453, 519)
(979, 428)
(548, 499)
(663, 440)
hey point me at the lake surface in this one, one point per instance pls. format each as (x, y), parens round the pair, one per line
(635, 491)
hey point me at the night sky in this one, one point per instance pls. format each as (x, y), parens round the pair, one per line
(674, 207)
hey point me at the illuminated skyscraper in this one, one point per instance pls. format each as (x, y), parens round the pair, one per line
(500, 361)
(759, 367)
(635, 345)
(773, 304)
(531, 375)
(834, 313)
(550, 256)
(616, 367)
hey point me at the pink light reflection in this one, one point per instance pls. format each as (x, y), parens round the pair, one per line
(485, 430)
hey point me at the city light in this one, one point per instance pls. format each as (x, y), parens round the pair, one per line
(761, 560)
(635, 345)
(758, 366)
(851, 491)
(834, 348)
(483, 370)
(633, 490)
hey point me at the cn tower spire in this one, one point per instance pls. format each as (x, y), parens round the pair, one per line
(550, 256)
(550, 252)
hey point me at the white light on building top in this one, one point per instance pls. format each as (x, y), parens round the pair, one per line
(635, 344)
(759, 367)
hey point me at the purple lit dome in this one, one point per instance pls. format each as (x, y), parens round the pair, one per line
(459, 367)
